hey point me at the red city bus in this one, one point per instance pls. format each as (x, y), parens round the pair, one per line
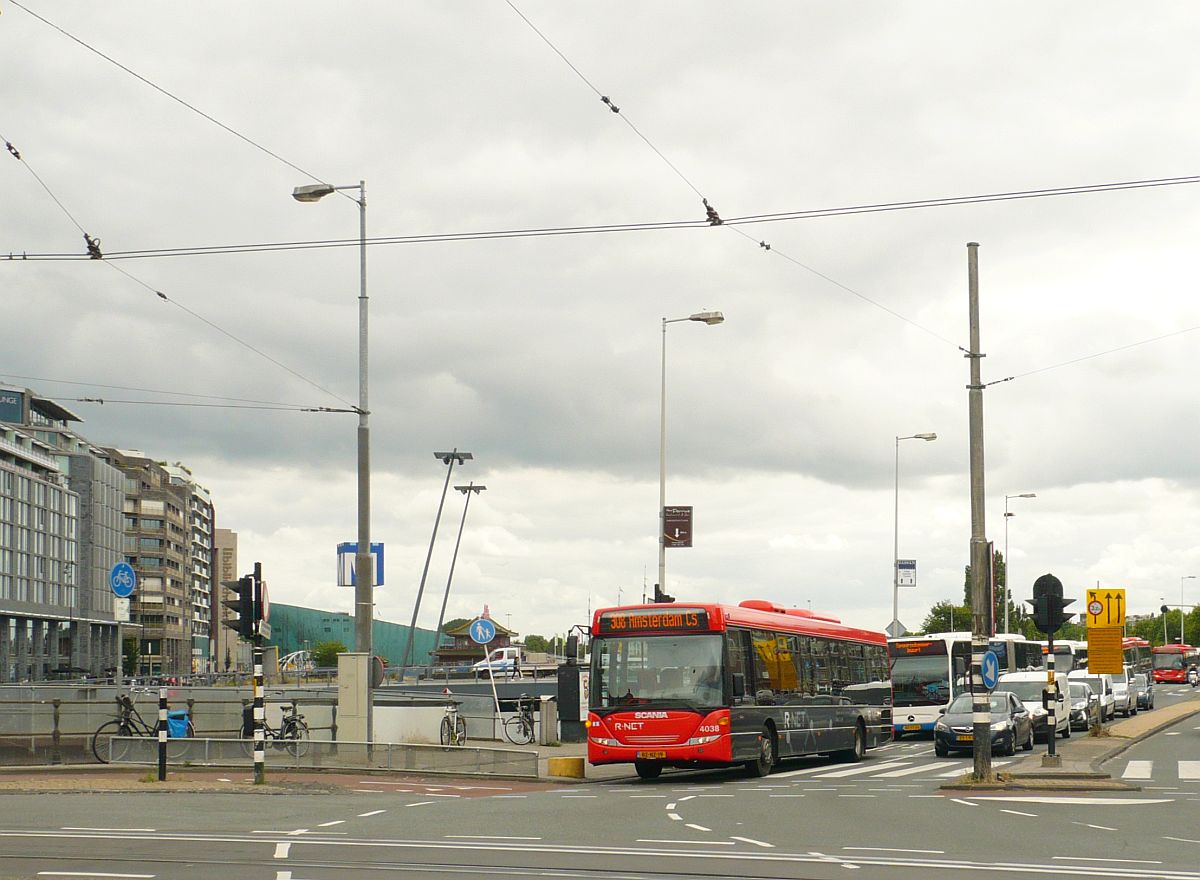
(1137, 654)
(702, 685)
(1170, 662)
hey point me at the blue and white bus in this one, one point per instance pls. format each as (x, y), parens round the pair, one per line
(929, 671)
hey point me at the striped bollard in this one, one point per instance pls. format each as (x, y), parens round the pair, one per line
(981, 712)
(162, 734)
(259, 718)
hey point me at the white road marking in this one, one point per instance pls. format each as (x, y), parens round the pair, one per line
(675, 817)
(671, 805)
(419, 804)
(688, 798)
(1174, 733)
(802, 771)
(784, 795)
(1118, 861)
(565, 796)
(696, 827)
(489, 837)
(932, 852)
(1019, 813)
(716, 795)
(690, 842)
(1189, 769)
(87, 874)
(1089, 801)
(663, 796)
(372, 813)
(855, 771)
(80, 828)
(283, 875)
(755, 842)
(920, 768)
(331, 824)
(1138, 770)
(519, 796)
(964, 803)
(1097, 827)
(1181, 839)
(281, 850)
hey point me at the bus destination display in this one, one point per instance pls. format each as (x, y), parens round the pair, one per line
(618, 622)
(916, 648)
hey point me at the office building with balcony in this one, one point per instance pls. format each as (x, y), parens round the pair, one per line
(200, 566)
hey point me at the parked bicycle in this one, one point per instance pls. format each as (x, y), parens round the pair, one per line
(292, 733)
(454, 727)
(519, 728)
(108, 743)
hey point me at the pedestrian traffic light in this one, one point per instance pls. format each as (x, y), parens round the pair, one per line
(243, 605)
(1048, 604)
(660, 596)
(1163, 609)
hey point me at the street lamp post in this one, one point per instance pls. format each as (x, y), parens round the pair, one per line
(449, 459)
(895, 627)
(364, 573)
(467, 490)
(1186, 577)
(1007, 564)
(709, 318)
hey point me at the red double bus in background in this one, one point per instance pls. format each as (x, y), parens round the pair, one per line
(705, 685)
(1137, 654)
(1170, 662)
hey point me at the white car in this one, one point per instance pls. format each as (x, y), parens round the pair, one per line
(1028, 688)
(1124, 696)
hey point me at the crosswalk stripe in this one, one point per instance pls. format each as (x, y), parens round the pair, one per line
(1138, 770)
(855, 771)
(1189, 769)
(922, 768)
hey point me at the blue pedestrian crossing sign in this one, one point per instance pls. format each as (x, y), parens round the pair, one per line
(482, 631)
(990, 669)
(122, 579)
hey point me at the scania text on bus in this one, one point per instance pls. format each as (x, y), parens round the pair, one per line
(704, 685)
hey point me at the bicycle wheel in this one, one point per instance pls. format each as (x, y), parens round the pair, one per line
(295, 738)
(518, 730)
(460, 731)
(102, 740)
(447, 732)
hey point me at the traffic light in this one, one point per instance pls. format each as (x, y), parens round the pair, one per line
(1048, 604)
(660, 596)
(243, 606)
(1163, 609)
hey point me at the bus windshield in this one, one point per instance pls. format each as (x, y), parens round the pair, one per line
(1168, 661)
(921, 681)
(682, 671)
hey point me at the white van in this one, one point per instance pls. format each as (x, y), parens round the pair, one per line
(500, 662)
(1028, 687)
(1102, 684)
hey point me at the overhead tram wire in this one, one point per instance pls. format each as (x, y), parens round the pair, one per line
(94, 253)
(713, 218)
(172, 96)
(218, 397)
(283, 407)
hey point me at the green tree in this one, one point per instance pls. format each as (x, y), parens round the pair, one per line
(325, 653)
(540, 644)
(130, 656)
(945, 616)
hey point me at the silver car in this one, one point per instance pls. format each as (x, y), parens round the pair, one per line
(1085, 706)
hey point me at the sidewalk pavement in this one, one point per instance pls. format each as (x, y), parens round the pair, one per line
(1082, 756)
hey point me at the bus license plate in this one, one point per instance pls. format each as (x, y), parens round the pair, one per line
(912, 727)
(651, 755)
(965, 737)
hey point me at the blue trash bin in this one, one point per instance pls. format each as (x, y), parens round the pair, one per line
(177, 723)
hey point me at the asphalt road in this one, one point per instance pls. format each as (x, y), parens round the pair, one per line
(883, 818)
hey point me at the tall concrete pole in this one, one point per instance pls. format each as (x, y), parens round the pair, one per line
(980, 605)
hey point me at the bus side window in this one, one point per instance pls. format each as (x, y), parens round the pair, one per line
(737, 648)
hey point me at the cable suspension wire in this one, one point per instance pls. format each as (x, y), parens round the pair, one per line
(220, 397)
(277, 408)
(171, 95)
(94, 253)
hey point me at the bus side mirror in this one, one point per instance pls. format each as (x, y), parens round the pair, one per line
(739, 685)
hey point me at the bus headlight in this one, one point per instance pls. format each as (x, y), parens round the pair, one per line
(604, 741)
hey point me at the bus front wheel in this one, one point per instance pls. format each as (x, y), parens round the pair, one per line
(761, 766)
(647, 769)
(858, 750)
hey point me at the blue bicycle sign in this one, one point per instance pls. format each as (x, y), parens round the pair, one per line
(122, 579)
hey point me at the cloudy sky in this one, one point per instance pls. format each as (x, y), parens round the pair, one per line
(541, 354)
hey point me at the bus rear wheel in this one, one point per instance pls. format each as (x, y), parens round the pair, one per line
(761, 766)
(856, 752)
(647, 769)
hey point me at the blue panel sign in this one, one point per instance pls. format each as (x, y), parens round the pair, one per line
(12, 406)
(990, 670)
(482, 631)
(123, 580)
(346, 553)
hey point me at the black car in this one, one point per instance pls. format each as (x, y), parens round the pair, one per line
(1011, 725)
